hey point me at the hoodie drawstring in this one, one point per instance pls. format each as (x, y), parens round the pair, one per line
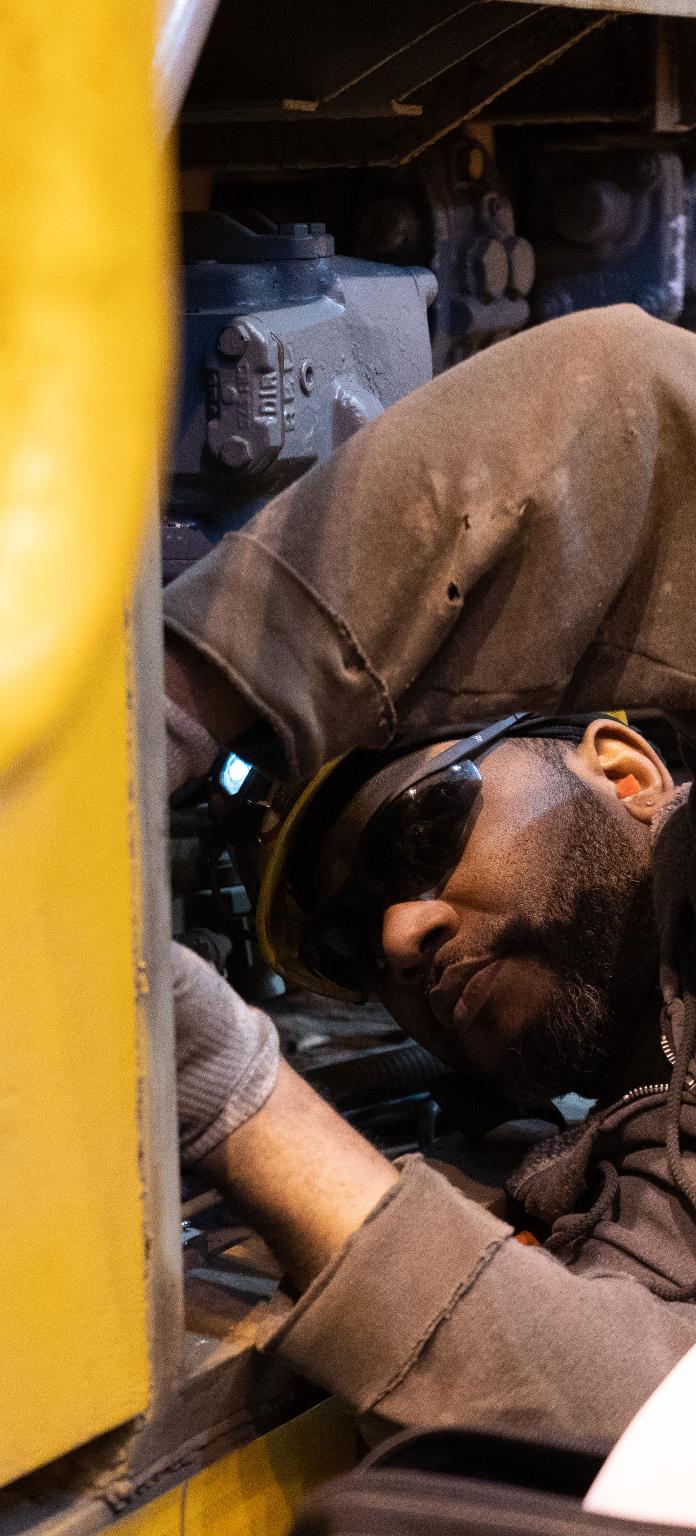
(685, 1032)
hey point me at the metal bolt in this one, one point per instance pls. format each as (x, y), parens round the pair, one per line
(232, 341)
(522, 266)
(488, 265)
(235, 452)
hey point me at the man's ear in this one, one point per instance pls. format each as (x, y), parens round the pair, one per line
(622, 764)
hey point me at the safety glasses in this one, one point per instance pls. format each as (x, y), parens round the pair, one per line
(403, 834)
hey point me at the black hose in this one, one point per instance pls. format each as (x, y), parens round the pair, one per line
(390, 1072)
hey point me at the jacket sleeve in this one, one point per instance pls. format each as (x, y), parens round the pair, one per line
(227, 1055)
(470, 1328)
(516, 534)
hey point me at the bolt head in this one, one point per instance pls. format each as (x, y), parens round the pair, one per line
(522, 266)
(489, 268)
(235, 452)
(232, 341)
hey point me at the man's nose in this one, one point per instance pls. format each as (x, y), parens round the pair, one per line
(412, 932)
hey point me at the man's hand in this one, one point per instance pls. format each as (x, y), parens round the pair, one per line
(303, 1176)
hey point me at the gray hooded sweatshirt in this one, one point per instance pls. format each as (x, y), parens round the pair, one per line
(519, 534)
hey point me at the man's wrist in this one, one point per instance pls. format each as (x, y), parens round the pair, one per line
(305, 1178)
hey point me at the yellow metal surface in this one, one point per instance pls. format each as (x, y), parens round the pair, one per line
(163, 1517)
(73, 1352)
(82, 355)
(82, 340)
(256, 1491)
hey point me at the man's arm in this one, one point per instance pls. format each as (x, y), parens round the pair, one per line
(517, 534)
(305, 1177)
(204, 711)
(199, 688)
(434, 1315)
(417, 1305)
(419, 1308)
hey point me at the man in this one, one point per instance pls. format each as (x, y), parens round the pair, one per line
(517, 535)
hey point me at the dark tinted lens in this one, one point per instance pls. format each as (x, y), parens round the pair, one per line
(410, 846)
(415, 842)
(337, 946)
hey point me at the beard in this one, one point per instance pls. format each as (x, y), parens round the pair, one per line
(598, 943)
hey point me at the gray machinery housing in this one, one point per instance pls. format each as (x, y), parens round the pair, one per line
(287, 351)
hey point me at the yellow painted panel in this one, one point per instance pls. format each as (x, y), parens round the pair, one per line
(257, 1490)
(73, 1352)
(160, 1518)
(82, 340)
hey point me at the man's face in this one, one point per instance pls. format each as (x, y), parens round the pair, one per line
(528, 965)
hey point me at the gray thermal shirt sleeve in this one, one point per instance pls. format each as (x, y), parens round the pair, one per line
(468, 1327)
(191, 749)
(226, 1055)
(520, 533)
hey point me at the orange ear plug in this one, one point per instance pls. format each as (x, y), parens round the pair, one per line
(627, 786)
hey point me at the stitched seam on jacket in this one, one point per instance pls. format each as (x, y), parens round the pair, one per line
(387, 709)
(495, 693)
(442, 1316)
(321, 1281)
(199, 642)
(238, 681)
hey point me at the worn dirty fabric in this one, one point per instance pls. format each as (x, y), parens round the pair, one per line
(606, 1190)
(516, 534)
(469, 1327)
(190, 747)
(519, 534)
(226, 1055)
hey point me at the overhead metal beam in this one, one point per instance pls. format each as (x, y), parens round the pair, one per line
(294, 139)
(627, 7)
